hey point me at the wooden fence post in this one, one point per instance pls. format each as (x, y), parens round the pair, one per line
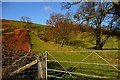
(39, 70)
(42, 66)
(46, 54)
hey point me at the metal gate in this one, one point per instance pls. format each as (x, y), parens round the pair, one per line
(92, 64)
(71, 65)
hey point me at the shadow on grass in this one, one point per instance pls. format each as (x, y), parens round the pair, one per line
(91, 48)
(111, 49)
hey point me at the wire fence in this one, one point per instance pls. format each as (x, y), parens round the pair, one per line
(27, 67)
(8, 69)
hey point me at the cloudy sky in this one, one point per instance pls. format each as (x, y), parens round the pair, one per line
(39, 12)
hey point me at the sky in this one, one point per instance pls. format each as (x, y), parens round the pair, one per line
(38, 12)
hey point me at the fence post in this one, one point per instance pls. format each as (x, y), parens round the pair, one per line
(39, 70)
(42, 66)
(46, 55)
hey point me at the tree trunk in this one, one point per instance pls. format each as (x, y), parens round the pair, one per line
(104, 41)
(99, 43)
(62, 43)
(98, 38)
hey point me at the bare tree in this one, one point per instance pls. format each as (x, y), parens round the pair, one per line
(54, 18)
(26, 20)
(97, 14)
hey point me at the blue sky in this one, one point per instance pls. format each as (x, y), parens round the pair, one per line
(39, 12)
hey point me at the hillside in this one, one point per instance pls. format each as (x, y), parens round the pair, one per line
(19, 24)
(77, 41)
(15, 38)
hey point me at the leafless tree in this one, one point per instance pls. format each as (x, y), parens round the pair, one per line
(97, 14)
(26, 20)
(54, 18)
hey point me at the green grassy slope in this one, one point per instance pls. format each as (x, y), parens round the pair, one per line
(82, 41)
(40, 46)
(20, 24)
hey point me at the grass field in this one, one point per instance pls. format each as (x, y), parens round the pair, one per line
(40, 46)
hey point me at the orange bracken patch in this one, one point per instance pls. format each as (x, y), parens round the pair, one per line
(19, 40)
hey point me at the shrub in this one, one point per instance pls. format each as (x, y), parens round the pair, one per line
(8, 30)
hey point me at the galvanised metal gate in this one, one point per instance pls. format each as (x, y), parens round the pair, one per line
(59, 67)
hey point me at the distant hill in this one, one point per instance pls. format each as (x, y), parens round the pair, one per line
(19, 24)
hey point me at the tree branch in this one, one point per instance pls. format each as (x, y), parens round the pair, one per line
(23, 68)
(13, 64)
(82, 22)
(97, 15)
(20, 58)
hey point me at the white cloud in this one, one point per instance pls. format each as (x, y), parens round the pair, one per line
(47, 8)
